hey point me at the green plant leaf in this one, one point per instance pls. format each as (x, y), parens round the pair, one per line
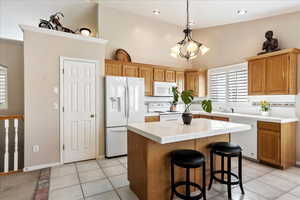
(187, 98)
(206, 106)
(175, 95)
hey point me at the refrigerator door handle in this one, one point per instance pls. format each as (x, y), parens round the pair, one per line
(125, 101)
(128, 103)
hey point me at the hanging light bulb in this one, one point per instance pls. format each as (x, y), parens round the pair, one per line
(188, 48)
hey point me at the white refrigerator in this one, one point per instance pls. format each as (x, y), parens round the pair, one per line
(124, 103)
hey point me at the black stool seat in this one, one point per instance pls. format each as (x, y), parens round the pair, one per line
(187, 158)
(226, 147)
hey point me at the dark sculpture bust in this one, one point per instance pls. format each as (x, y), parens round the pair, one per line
(271, 44)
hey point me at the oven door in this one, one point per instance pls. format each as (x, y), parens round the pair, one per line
(163, 89)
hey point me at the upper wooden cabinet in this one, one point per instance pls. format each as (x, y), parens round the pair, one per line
(159, 74)
(170, 76)
(257, 77)
(196, 81)
(180, 80)
(273, 73)
(113, 68)
(146, 72)
(131, 70)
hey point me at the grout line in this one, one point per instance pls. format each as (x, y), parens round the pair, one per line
(114, 189)
(77, 172)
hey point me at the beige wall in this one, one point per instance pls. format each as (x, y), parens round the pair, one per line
(11, 55)
(29, 12)
(146, 40)
(41, 68)
(232, 43)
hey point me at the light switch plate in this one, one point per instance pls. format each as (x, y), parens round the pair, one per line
(35, 148)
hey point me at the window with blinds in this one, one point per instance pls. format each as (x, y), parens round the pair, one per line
(228, 84)
(3, 86)
(237, 85)
(217, 87)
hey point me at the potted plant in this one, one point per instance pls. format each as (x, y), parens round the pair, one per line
(187, 98)
(175, 98)
(264, 108)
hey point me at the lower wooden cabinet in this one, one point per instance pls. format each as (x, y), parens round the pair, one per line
(277, 143)
(152, 119)
(211, 117)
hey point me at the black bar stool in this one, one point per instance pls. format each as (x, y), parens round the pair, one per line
(228, 150)
(187, 159)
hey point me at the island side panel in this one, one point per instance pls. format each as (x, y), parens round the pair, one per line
(137, 164)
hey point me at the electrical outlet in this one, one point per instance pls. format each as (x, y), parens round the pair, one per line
(36, 148)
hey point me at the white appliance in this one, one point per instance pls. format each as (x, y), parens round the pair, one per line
(246, 139)
(163, 89)
(124, 103)
(164, 111)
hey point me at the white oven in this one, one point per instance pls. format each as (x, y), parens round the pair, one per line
(163, 89)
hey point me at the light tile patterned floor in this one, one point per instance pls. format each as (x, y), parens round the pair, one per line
(107, 180)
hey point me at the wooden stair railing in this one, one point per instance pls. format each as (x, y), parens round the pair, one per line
(16, 119)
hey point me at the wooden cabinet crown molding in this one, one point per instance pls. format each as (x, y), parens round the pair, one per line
(284, 51)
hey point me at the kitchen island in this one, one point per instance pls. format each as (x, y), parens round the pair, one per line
(150, 144)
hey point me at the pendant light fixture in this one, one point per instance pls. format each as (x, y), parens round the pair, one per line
(188, 48)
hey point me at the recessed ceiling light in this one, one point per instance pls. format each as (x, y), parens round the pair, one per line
(242, 12)
(156, 12)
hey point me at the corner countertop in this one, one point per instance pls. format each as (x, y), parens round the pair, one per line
(175, 131)
(271, 118)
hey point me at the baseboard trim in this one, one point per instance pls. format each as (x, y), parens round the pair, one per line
(37, 167)
(100, 157)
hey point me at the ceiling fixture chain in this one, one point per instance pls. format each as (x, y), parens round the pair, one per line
(188, 48)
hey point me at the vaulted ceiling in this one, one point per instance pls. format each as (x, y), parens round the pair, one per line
(205, 13)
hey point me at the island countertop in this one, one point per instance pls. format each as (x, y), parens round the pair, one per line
(175, 131)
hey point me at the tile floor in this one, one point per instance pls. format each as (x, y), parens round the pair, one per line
(107, 180)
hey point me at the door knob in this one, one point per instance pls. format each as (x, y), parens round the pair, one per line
(92, 116)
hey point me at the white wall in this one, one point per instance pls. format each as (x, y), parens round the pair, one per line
(146, 40)
(29, 12)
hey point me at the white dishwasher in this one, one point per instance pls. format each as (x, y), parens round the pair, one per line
(246, 139)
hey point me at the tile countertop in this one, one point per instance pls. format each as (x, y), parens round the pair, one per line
(276, 119)
(176, 131)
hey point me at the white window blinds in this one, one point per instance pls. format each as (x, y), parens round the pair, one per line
(217, 87)
(228, 84)
(237, 85)
(3, 86)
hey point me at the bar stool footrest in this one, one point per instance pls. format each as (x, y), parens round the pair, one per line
(182, 183)
(223, 181)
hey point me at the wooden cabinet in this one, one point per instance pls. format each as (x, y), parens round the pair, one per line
(159, 74)
(131, 70)
(211, 117)
(146, 72)
(152, 119)
(277, 74)
(273, 73)
(196, 81)
(226, 119)
(257, 77)
(113, 68)
(170, 76)
(276, 143)
(180, 80)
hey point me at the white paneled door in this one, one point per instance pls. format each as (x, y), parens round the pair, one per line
(79, 109)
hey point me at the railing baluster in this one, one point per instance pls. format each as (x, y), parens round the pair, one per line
(6, 162)
(16, 154)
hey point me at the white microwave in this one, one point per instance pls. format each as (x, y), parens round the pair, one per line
(163, 89)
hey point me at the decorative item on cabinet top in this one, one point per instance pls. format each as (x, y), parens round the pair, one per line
(122, 55)
(270, 45)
